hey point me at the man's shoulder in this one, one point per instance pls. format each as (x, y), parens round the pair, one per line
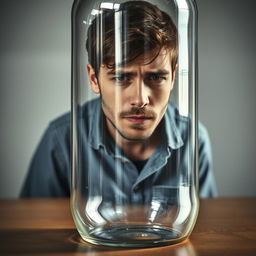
(203, 134)
(183, 122)
(84, 113)
(61, 121)
(176, 120)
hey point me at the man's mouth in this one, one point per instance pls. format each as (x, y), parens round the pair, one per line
(138, 119)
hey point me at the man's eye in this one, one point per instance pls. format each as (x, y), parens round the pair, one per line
(156, 77)
(120, 79)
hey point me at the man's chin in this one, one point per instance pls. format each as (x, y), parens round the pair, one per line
(135, 132)
(137, 135)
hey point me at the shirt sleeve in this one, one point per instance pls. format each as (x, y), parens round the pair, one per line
(47, 174)
(207, 184)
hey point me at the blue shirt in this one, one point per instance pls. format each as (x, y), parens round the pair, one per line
(49, 174)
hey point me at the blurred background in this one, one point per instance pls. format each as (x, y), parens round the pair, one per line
(35, 77)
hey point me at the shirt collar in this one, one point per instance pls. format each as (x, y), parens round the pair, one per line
(171, 130)
(99, 137)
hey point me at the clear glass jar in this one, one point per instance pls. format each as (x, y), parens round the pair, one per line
(134, 121)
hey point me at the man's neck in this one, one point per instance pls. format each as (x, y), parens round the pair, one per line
(137, 150)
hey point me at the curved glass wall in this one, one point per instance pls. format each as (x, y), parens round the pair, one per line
(134, 121)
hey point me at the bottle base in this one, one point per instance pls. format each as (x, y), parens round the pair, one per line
(134, 236)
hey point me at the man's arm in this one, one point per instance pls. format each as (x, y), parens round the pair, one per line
(207, 184)
(47, 175)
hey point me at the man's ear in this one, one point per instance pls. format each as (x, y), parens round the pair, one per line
(174, 74)
(93, 79)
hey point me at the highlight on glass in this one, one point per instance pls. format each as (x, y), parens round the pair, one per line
(134, 121)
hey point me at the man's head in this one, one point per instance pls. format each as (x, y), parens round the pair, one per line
(132, 53)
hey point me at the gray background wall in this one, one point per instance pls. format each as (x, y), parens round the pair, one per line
(35, 85)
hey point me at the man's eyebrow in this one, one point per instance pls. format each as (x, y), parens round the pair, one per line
(120, 72)
(159, 72)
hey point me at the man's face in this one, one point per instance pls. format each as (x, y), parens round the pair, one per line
(135, 96)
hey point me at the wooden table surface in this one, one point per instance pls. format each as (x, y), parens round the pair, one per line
(225, 226)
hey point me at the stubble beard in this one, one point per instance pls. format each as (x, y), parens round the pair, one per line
(126, 137)
(138, 127)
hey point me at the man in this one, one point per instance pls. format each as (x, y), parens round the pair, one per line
(132, 124)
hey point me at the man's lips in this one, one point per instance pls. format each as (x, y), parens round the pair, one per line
(139, 119)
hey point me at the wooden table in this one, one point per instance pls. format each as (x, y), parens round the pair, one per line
(225, 226)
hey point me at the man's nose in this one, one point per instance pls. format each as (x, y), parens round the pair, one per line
(140, 94)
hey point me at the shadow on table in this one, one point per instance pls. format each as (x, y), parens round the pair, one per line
(68, 241)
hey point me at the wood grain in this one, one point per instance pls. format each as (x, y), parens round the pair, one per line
(225, 226)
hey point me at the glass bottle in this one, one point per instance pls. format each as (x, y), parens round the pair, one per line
(134, 121)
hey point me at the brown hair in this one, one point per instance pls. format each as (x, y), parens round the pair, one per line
(145, 28)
